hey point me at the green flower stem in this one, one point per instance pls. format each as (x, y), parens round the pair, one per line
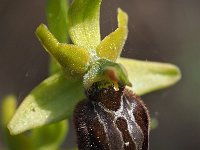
(7, 110)
(56, 14)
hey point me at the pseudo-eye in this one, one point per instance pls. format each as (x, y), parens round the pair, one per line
(110, 118)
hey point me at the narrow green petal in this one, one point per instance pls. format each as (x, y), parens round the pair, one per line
(46, 38)
(112, 45)
(84, 23)
(52, 100)
(72, 58)
(49, 137)
(150, 76)
(122, 19)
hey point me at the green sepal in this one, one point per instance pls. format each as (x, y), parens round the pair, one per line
(148, 76)
(52, 100)
(83, 20)
(112, 45)
(73, 59)
(49, 137)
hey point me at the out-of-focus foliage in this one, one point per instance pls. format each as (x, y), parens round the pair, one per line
(16, 142)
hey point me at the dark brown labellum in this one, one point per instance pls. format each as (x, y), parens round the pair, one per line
(111, 120)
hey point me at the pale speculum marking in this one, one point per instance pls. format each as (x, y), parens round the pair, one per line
(121, 124)
(112, 120)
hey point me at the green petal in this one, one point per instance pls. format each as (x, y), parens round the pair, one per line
(49, 137)
(112, 45)
(52, 100)
(150, 76)
(84, 23)
(72, 58)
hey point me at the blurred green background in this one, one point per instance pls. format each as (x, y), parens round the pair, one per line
(159, 30)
